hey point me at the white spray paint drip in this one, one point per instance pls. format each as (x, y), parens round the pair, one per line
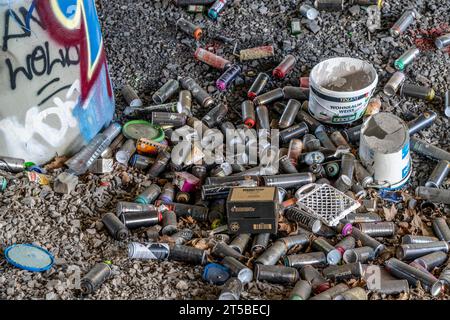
(20, 138)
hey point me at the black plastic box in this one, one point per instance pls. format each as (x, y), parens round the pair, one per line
(253, 210)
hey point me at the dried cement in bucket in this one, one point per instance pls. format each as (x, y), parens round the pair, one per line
(384, 150)
(340, 89)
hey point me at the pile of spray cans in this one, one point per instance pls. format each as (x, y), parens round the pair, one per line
(312, 258)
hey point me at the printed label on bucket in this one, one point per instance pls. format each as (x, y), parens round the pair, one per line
(405, 151)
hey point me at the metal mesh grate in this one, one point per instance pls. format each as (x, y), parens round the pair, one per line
(325, 202)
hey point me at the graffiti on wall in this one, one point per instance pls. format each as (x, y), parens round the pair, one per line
(55, 91)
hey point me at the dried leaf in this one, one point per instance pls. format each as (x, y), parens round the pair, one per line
(57, 163)
(188, 220)
(389, 214)
(419, 225)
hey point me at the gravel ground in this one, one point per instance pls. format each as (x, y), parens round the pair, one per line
(144, 50)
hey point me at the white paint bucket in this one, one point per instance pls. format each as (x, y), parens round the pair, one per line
(340, 89)
(384, 150)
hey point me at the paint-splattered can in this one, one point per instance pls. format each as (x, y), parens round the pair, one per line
(258, 85)
(284, 67)
(12, 164)
(211, 59)
(256, 53)
(148, 251)
(189, 28)
(95, 277)
(227, 78)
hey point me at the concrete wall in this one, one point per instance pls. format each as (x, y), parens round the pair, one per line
(55, 92)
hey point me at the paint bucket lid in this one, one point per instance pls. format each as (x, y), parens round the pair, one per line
(29, 257)
(215, 273)
(137, 129)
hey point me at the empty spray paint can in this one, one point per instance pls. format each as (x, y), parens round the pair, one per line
(248, 113)
(169, 223)
(423, 121)
(419, 92)
(329, 5)
(443, 282)
(308, 11)
(114, 226)
(95, 277)
(184, 104)
(441, 229)
(301, 260)
(292, 180)
(377, 229)
(439, 174)
(160, 164)
(297, 93)
(335, 255)
(356, 293)
(182, 236)
(367, 240)
(198, 213)
(132, 207)
(13, 165)
(216, 8)
(345, 180)
(135, 220)
(240, 242)
(221, 250)
(149, 195)
(263, 117)
(289, 114)
(394, 83)
(215, 115)
(303, 218)
(187, 254)
(238, 269)
(432, 260)
(343, 272)
(211, 59)
(126, 151)
(260, 242)
(272, 254)
(199, 94)
(225, 80)
(412, 251)
(302, 290)
(286, 165)
(269, 97)
(442, 41)
(284, 67)
(166, 91)
(353, 134)
(256, 53)
(332, 169)
(189, 28)
(295, 150)
(331, 292)
(409, 239)
(312, 123)
(413, 275)
(361, 254)
(429, 150)
(169, 119)
(131, 97)
(392, 287)
(391, 164)
(434, 194)
(258, 85)
(148, 251)
(338, 139)
(145, 111)
(368, 2)
(312, 275)
(403, 23)
(276, 274)
(231, 290)
(293, 132)
(167, 193)
(323, 137)
(406, 58)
